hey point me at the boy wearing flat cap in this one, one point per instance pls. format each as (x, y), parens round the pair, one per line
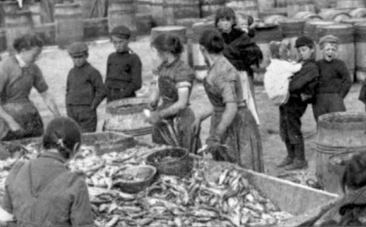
(123, 67)
(334, 79)
(84, 89)
(301, 89)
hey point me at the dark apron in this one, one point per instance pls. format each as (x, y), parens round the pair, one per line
(27, 116)
(175, 130)
(242, 138)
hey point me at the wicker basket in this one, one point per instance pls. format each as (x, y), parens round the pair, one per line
(181, 164)
(146, 172)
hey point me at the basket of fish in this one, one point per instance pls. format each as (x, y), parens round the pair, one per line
(133, 179)
(171, 161)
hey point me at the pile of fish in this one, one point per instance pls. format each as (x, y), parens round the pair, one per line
(212, 195)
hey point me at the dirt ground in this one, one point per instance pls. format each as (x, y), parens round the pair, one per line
(55, 64)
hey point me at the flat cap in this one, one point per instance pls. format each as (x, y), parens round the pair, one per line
(328, 39)
(77, 49)
(304, 41)
(121, 32)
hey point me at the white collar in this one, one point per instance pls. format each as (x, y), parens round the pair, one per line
(21, 62)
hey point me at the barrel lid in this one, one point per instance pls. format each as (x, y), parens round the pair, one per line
(336, 26)
(343, 120)
(353, 20)
(320, 22)
(168, 28)
(360, 24)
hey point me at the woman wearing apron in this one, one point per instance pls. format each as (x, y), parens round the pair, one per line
(233, 126)
(172, 119)
(19, 118)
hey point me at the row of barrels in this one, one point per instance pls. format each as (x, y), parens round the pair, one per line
(350, 31)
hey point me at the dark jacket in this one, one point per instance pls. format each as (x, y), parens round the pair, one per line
(43, 192)
(84, 86)
(241, 50)
(334, 77)
(305, 81)
(124, 72)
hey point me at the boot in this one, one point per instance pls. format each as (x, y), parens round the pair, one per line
(299, 161)
(290, 155)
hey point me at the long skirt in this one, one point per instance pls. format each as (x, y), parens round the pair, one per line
(242, 140)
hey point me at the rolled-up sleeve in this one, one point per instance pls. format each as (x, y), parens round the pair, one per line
(184, 76)
(227, 86)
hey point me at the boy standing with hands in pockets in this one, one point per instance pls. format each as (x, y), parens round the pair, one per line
(84, 89)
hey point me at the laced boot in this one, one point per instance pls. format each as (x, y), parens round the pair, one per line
(290, 155)
(299, 161)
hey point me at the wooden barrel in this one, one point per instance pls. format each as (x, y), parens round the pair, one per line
(209, 7)
(354, 21)
(274, 19)
(35, 9)
(266, 5)
(306, 15)
(143, 23)
(47, 32)
(333, 14)
(179, 31)
(280, 3)
(346, 48)
(86, 7)
(17, 24)
(188, 24)
(360, 49)
(294, 6)
(157, 12)
(350, 4)
(250, 7)
(95, 28)
(291, 30)
(3, 46)
(199, 63)
(126, 115)
(338, 133)
(310, 30)
(122, 12)
(69, 24)
(263, 36)
(179, 9)
(143, 6)
(357, 13)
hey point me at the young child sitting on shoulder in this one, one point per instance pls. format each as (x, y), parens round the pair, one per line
(84, 89)
(279, 73)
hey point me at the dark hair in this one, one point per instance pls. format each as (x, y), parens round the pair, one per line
(354, 176)
(168, 43)
(62, 133)
(211, 39)
(27, 42)
(226, 13)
